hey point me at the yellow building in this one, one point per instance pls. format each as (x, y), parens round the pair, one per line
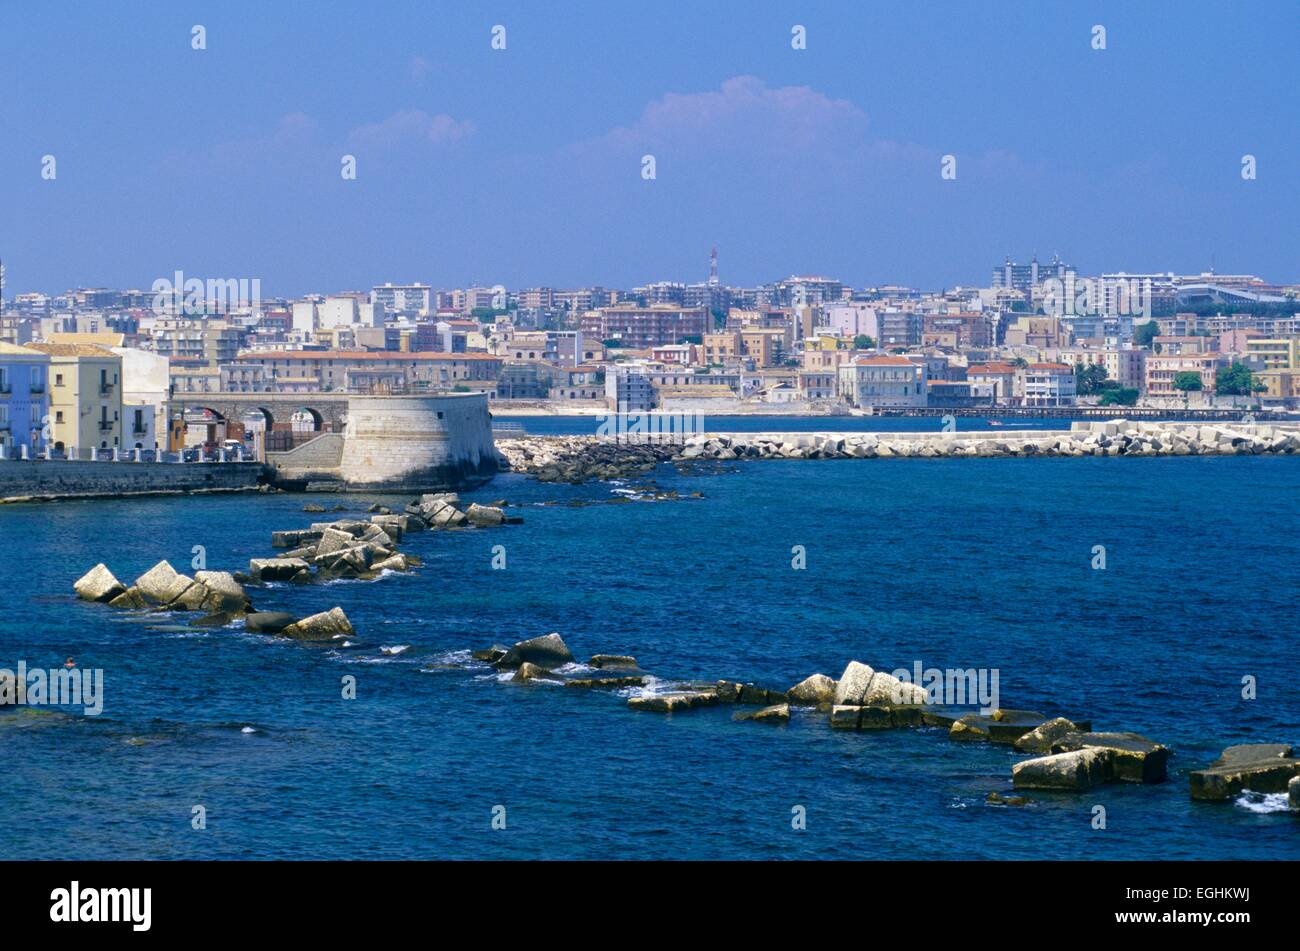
(85, 396)
(1277, 353)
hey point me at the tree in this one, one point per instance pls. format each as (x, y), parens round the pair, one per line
(1089, 380)
(863, 342)
(1119, 396)
(1144, 334)
(1188, 382)
(1020, 362)
(1234, 380)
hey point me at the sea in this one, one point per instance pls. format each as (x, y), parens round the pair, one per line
(216, 743)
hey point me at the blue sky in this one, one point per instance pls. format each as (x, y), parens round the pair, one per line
(523, 166)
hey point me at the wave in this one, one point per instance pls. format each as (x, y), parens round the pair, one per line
(1263, 802)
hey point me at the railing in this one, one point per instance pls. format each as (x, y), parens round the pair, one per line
(105, 426)
(38, 388)
(105, 389)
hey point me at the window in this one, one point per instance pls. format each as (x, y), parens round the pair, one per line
(58, 379)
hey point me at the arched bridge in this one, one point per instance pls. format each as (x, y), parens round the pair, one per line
(323, 412)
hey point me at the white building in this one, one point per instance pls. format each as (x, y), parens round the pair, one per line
(885, 381)
(146, 385)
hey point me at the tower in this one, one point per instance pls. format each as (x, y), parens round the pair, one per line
(713, 268)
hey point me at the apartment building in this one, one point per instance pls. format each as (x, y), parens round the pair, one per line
(1163, 368)
(24, 399)
(85, 396)
(642, 327)
(1046, 384)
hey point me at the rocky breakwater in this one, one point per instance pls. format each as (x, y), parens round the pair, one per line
(357, 549)
(578, 459)
(1113, 438)
(1061, 755)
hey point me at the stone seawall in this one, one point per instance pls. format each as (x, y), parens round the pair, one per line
(418, 442)
(1111, 438)
(40, 480)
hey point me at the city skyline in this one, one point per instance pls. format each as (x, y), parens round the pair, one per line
(523, 166)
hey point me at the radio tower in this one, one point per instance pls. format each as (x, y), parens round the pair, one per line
(713, 268)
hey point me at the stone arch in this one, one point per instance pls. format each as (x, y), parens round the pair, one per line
(307, 419)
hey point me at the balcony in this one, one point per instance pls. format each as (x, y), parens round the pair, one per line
(105, 389)
(106, 425)
(6, 389)
(37, 388)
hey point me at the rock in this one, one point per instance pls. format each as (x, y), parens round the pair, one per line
(224, 592)
(942, 716)
(313, 507)
(276, 569)
(192, 598)
(1077, 770)
(1259, 767)
(1293, 793)
(853, 717)
(320, 627)
(528, 672)
(852, 685)
(997, 799)
(887, 690)
(162, 584)
(674, 702)
(1041, 737)
(1135, 759)
(630, 680)
(295, 538)
(547, 652)
(267, 622)
(777, 713)
(812, 691)
(130, 598)
(490, 654)
(333, 540)
(972, 726)
(606, 661)
(219, 619)
(485, 515)
(1007, 726)
(392, 563)
(98, 584)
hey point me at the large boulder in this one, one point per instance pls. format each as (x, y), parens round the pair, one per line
(334, 540)
(1041, 737)
(1293, 793)
(972, 726)
(1007, 726)
(1259, 767)
(485, 516)
(527, 672)
(276, 569)
(674, 702)
(225, 594)
(267, 622)
(1077, 770)
(1134, 759)
(616, 661)
(162, 584)
(320, 627)
(777, 713)
(98, 584)
(852, 685)
(130, 598)
(886, 690)
(812, 691)
(548, 652)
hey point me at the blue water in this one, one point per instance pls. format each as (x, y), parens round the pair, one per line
(956, 563)
(588, 425)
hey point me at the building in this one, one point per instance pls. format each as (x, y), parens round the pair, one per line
(1026, 277)
(24, 400)
(1163, 368)
(852, 319)
(642, 327)
(85, 396)
(412, 299)
(332, 369)
(1047, 384)
(146, 391)
(1000, 377)
(629, 390)
(883, 381)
